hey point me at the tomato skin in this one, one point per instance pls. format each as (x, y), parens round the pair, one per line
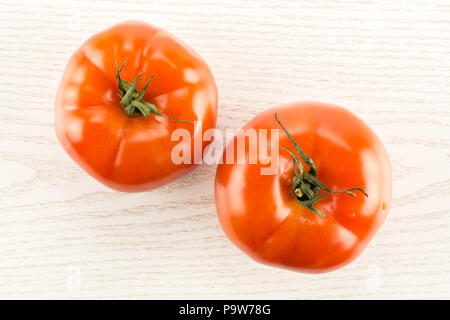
(260, 215)
(132, 153)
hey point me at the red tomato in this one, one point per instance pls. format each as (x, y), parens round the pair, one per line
(269, 216)
(125, 142)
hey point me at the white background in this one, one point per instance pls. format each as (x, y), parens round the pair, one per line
(63, 235)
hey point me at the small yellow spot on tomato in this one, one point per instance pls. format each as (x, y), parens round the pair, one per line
(384, 205)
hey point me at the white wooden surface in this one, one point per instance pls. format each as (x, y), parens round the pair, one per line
(63, 235)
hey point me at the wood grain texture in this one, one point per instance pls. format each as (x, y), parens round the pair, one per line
(63, 235)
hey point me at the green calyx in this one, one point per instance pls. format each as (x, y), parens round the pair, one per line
(133, 101)
(305, 185)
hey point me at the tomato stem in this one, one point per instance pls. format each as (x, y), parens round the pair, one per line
(306, 186)
(133, 101)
